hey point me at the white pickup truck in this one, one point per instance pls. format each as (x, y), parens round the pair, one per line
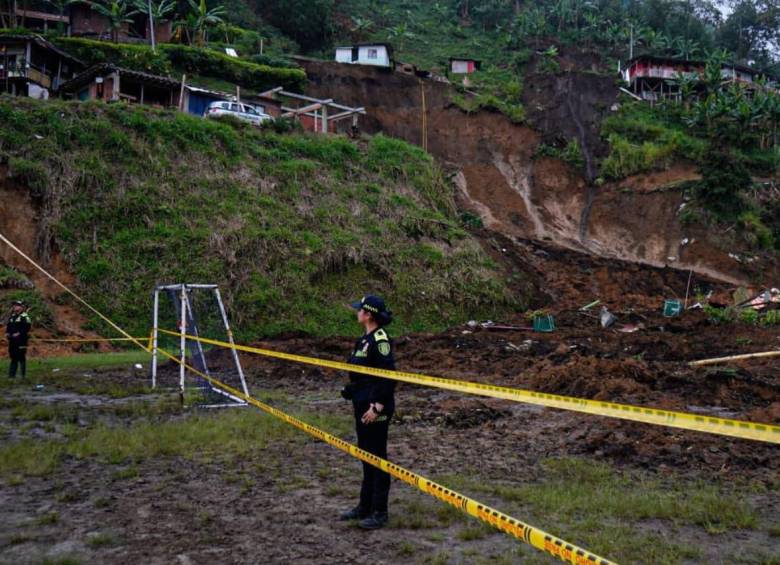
(241, 111)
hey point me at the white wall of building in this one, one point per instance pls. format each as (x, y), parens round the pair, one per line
(366, 55)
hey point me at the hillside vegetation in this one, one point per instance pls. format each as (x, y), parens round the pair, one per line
(291, 225)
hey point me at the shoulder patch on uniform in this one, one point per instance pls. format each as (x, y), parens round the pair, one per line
(381, 335)
(384, 347)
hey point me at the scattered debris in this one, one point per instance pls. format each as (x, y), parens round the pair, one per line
(589, 306)
(606, 318)
(491, 325)
(672, 308)
(544, 323)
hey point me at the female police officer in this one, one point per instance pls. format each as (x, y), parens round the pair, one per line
(373, 404)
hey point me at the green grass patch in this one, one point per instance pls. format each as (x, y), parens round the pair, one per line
(48, 369)
(614, 513)
(201, 436)
(103, 539)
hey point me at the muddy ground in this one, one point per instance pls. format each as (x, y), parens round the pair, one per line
(278, 504)
(262, 492)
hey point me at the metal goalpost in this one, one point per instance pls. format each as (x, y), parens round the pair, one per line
(181, 296)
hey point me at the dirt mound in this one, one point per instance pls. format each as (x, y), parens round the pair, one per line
(593, 377)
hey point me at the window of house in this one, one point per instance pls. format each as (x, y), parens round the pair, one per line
(373, 53)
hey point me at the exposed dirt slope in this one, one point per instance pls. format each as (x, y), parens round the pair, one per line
(522, 195)
(19, 222)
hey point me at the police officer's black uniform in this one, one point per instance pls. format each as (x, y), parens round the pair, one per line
(17, 331)
(375, 349)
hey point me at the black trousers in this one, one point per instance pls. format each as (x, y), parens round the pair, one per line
(375, 488)
(18, 355)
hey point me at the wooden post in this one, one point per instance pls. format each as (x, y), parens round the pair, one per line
(718, 360)
(181, 93)
(141, 100)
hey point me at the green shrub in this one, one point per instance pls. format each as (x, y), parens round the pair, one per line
(748, 316)
(771, 318)
(136, 57)
(724, 180)
(572, 154)
(208, 62)
(754, 230)
(31, 173)
(719, 315)
(172, 59)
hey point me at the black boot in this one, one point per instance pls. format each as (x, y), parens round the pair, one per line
(357, 513)
(374, 522)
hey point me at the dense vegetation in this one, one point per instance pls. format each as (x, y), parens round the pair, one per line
(170, 59)
(291, 225)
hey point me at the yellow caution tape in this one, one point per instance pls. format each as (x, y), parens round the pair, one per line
(535, 537)
(524, 532)
(696, 422)
(87, 340)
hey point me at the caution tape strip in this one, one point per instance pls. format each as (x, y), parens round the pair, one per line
(535, 537)
(86, 340)
(524, 532)
(696, 422)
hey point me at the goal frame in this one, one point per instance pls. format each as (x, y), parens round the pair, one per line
(183, 292)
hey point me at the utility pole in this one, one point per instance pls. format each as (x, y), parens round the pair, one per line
(631, 41)
(151, 23)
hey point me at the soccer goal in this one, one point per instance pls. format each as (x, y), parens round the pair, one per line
(197, 310)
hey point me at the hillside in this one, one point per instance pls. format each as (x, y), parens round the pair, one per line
(290, 225)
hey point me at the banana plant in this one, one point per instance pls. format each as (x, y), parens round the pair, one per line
(117, 12)
(204, 18)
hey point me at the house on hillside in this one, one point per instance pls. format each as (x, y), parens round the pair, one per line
(79, 19)
(110, 83)
(654, 78)
(376, 54)
(463, 65)
(38, 20)
(86, 22)
(31, 66)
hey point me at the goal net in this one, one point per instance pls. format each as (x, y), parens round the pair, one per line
(182, 312)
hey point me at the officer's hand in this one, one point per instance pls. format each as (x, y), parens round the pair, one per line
(368, 417)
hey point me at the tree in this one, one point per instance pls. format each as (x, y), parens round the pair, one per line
(117, 12)
(751, 29)
(161, 11)
(203, 18)
(685, 48)
(400, 33)
(360, 27)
